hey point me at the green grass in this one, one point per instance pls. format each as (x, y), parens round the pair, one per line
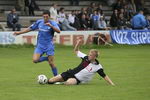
(127, 66)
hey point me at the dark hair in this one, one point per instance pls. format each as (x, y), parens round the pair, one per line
(61, 9)
(141, 9)
(46, 12)
(54, 4)
(13, 9)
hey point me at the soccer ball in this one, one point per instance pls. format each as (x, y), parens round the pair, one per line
(42, 79)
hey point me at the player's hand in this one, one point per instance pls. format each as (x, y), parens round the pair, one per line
(16, 33)
(113, 84)
(48, 24)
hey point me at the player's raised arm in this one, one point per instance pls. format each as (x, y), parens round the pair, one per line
(22, 32)
(76, 48)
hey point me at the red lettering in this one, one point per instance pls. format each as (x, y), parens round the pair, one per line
(65, 38)
(28, 39)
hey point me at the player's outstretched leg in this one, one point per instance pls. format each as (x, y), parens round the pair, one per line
(55, 79)
(71, 81)
(51, 63)
(38, 58)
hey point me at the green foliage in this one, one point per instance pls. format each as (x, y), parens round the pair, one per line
(127, 66)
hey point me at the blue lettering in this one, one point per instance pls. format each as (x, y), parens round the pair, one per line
(133, 37)
(6, 38)
(126, 38)
(144, 37)
(148, 37)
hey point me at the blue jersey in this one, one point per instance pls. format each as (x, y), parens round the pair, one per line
(138, 21)
(45, 34)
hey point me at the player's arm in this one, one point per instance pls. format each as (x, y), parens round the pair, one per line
(34, 26)
(22, 32)
(53, 27)
(77, 51)
(106, 78)
(76, 48)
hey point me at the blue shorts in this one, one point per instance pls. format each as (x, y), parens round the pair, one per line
(49, 52)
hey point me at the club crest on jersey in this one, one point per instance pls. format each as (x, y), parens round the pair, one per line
(89, 68)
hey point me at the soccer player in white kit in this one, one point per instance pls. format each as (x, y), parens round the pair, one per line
(84, 72)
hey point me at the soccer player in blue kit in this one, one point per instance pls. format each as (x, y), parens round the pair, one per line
(46, 29)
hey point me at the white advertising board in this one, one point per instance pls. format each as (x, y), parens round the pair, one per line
(64, 38)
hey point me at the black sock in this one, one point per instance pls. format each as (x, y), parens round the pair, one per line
(50, 82)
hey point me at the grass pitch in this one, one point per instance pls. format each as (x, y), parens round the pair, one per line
(127, 66)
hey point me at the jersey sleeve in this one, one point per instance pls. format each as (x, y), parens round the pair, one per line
(101, 72)
(55, 24)
(80, 54)
(34, 26)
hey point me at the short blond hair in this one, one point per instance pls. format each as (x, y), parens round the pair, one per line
(95, 51)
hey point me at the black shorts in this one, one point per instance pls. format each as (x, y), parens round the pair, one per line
(69, 74)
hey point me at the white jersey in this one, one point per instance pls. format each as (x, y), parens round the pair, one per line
(86, 70)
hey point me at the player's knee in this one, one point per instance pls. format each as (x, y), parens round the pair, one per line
(68, 83)
(51, 64)
(35, 60)
(71, 82)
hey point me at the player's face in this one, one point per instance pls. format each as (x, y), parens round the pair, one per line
(46, 17)
(91, 56)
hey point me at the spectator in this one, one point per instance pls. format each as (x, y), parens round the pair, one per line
(61, 15)
(121, 22)
(83, 11)
(138, 21)
(123, 2)
(102, 24)
(110, 2)
(91, 8)
(139, 4)
(129, 10)
(72, 16)
(53, 12)
(83, 22)
(100, 10)
(131, 7)
(21, 6)
(94, 20)
(65, 26)
(12, 20)
(75, 2)
(114, 19)
(148, 21)
(122, 12)
(118, 5)
(32, 6)
(74, 20)
(26, 2)
(99, 7)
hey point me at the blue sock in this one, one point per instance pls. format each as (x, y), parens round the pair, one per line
(43, 59)
(54, 70)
